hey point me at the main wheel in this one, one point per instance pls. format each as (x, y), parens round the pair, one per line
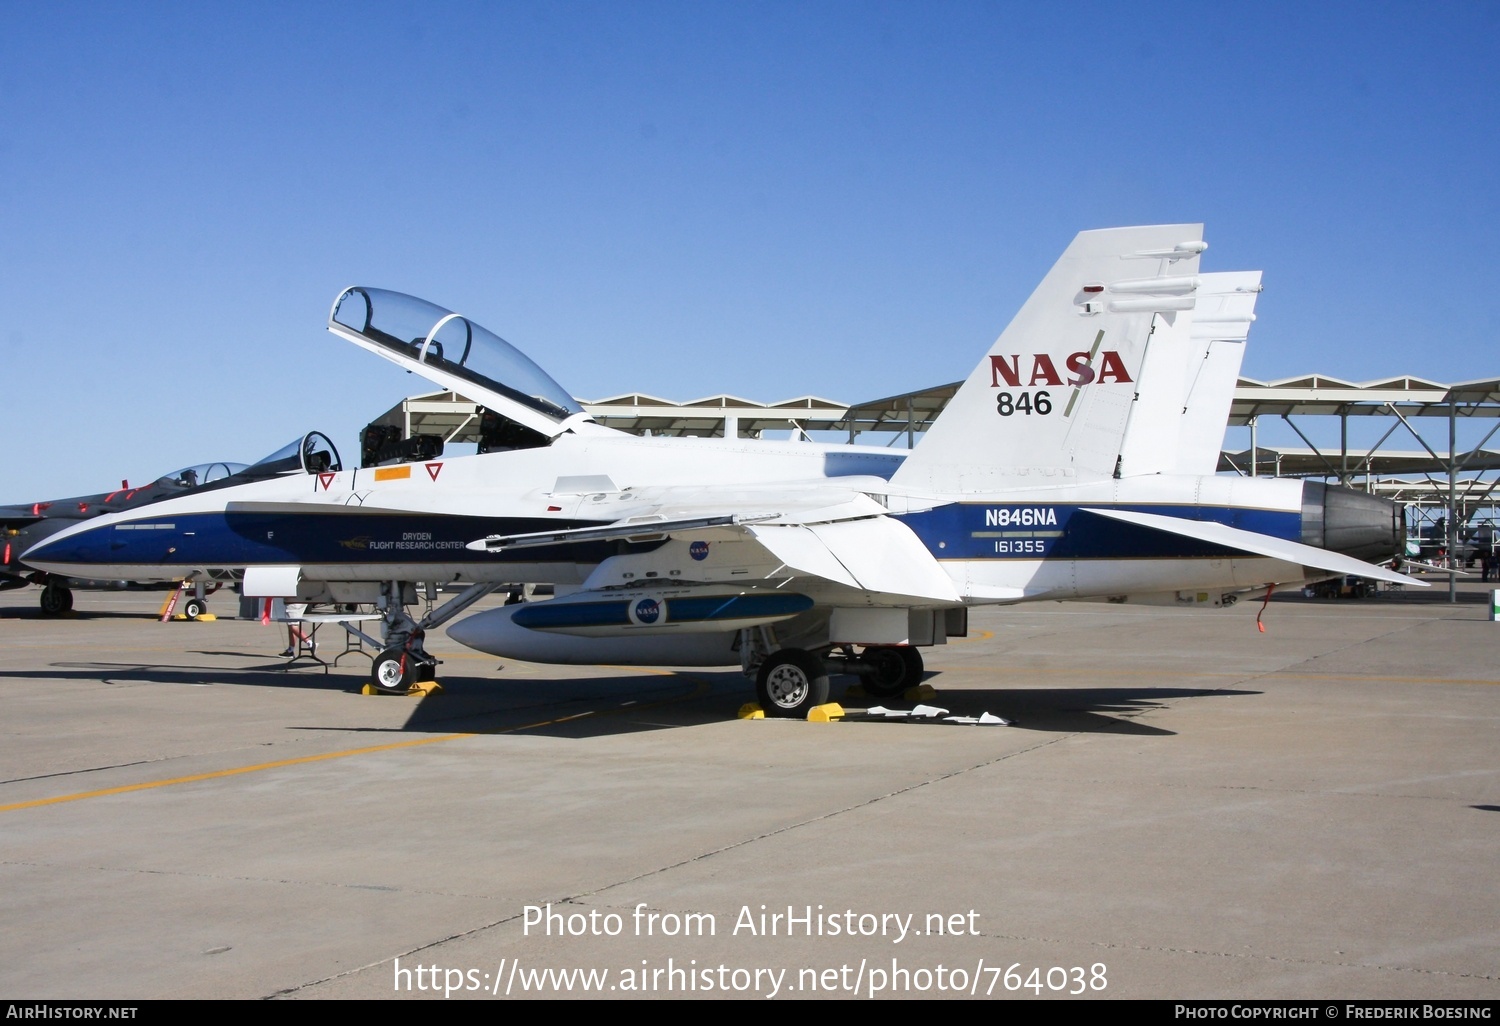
(194, 608)
(56, 600)
(886, 677)
(915, 668)
(393, 670)
(791, 682)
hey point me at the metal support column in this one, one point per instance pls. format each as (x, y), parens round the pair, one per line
(1344, 447)
(1452, 499)
(1254, 452)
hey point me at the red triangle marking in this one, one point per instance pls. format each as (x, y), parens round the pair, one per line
(325, 480)
(433, 469)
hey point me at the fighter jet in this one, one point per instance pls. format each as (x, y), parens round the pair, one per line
(25, 525)
(1075, 462)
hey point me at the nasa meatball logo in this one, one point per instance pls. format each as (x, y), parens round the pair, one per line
(646, 612)
(698, 550)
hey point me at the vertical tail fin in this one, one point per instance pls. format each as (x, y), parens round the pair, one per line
(1187, 380)
(1051, 401)
(1221, 323)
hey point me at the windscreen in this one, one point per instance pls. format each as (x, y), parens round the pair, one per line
(312, 453)
(201, 474)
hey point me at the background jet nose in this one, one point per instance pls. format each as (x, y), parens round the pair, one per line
(1354, 523)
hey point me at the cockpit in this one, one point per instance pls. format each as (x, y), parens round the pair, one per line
(313, 453)
(456, 353)
(201, 474)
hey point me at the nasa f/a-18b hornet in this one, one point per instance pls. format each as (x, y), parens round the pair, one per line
(1077, 461)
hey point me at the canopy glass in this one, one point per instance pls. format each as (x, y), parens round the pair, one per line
(408, 328)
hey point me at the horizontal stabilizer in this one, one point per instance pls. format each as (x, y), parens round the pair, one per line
(1260, 545)
(876, 554)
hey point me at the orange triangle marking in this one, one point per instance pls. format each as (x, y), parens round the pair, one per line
(433, 469)
(325, 480)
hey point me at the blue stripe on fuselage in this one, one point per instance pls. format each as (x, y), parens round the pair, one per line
(221, 538)
(1057, 531)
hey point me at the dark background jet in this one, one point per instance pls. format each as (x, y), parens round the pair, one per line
(24, 525)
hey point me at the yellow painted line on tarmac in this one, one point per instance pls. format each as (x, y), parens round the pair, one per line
(976, 636)
(151, 784)
(216, 774)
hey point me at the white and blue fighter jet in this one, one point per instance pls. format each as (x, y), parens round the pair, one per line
(1076, 462)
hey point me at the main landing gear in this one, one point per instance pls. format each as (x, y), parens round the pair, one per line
(892, 669)
(790, 682)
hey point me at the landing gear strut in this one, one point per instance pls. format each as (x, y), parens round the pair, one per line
(403, 660)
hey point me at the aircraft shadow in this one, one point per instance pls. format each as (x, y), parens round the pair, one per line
(610, 706)
(274, 674)
(1062, 710)
(604, 706)
(33, 613)
(580, 708)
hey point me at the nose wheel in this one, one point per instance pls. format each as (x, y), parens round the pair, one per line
(56, 600)
(395, 670)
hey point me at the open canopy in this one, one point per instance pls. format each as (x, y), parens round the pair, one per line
(453, 351)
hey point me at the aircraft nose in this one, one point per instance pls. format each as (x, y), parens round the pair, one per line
(71, 544)
(1354, 523)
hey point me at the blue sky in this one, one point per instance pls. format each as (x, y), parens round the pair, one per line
(768, 199)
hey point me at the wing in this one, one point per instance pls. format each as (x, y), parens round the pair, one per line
(826, 537)
(873, 554)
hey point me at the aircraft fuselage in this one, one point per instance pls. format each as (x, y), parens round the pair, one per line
(415, 521)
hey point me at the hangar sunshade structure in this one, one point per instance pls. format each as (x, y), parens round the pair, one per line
(1449, 486)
